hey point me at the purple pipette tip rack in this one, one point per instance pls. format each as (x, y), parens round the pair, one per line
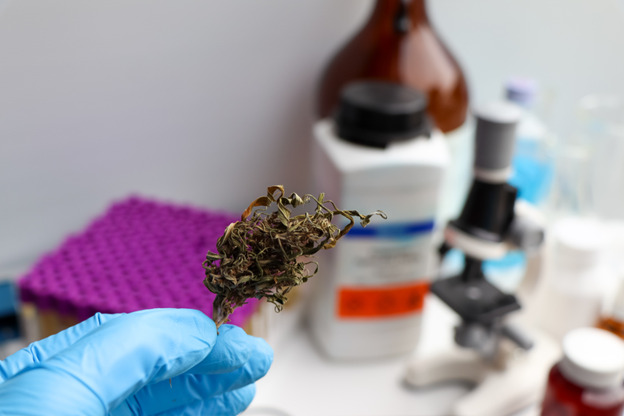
(139, 254)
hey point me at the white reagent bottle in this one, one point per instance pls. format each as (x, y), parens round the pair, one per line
(378, 152)
(575, 279)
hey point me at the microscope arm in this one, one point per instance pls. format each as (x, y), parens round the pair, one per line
(530, 223)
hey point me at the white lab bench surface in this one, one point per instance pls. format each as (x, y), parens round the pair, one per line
(303, 382)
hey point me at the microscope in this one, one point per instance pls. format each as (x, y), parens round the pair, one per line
(506, 362)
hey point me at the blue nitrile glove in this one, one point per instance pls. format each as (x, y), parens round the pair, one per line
(159, 361)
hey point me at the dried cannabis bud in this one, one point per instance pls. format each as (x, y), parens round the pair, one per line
(265, 254)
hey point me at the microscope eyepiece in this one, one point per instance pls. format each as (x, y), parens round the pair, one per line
(495, 140)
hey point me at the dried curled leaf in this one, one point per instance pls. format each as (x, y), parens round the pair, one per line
(266, 254)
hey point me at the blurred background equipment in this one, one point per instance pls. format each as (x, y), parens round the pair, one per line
(9, 317)
(532, 162)
(532, 171)
(588, 378)
(398, 43)
(612, 316)
(379, 149)
(575, 280)
(600, 133)
(583, 255)
(488, 227)
(89, 115)
(207, 102)
(139, 254)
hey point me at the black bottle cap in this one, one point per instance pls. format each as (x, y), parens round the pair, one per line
(374, 113)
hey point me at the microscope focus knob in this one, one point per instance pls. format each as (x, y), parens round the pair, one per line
(527, 229)
(526, 234)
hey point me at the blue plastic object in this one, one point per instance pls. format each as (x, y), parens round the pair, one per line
(9, 328)
(8, 299)
(158, 361)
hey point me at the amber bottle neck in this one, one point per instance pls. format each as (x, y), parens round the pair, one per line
(403, 12)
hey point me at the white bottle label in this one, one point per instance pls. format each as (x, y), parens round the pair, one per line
(383, 270)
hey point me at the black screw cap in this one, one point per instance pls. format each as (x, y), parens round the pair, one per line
(374, 113)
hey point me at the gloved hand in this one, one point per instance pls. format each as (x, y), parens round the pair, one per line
(159, 361)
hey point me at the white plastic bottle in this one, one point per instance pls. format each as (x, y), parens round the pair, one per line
(575, 278)
(379, 152)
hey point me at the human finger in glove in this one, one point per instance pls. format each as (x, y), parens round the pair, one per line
(151, 362)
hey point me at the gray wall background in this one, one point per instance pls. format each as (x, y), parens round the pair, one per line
(207, 102)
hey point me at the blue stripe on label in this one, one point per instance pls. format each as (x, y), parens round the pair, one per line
(400, 230)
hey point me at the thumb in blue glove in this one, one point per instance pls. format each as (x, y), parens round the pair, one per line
(123, 365)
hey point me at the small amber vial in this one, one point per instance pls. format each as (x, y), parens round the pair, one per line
(613, 321)
(613, 325)
(588, 381)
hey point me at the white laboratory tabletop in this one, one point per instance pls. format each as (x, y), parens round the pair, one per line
(302, 382)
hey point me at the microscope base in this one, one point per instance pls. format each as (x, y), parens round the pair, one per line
(501, 388)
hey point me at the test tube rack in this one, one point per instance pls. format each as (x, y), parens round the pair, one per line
(140, 254)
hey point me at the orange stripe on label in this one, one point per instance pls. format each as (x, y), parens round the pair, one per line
(381, 302)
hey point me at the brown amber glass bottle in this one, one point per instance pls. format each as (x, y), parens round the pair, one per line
(588, 380)
(398, 44)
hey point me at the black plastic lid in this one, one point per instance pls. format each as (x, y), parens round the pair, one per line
(376, 113)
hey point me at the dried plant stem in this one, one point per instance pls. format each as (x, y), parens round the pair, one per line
(266, 254)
